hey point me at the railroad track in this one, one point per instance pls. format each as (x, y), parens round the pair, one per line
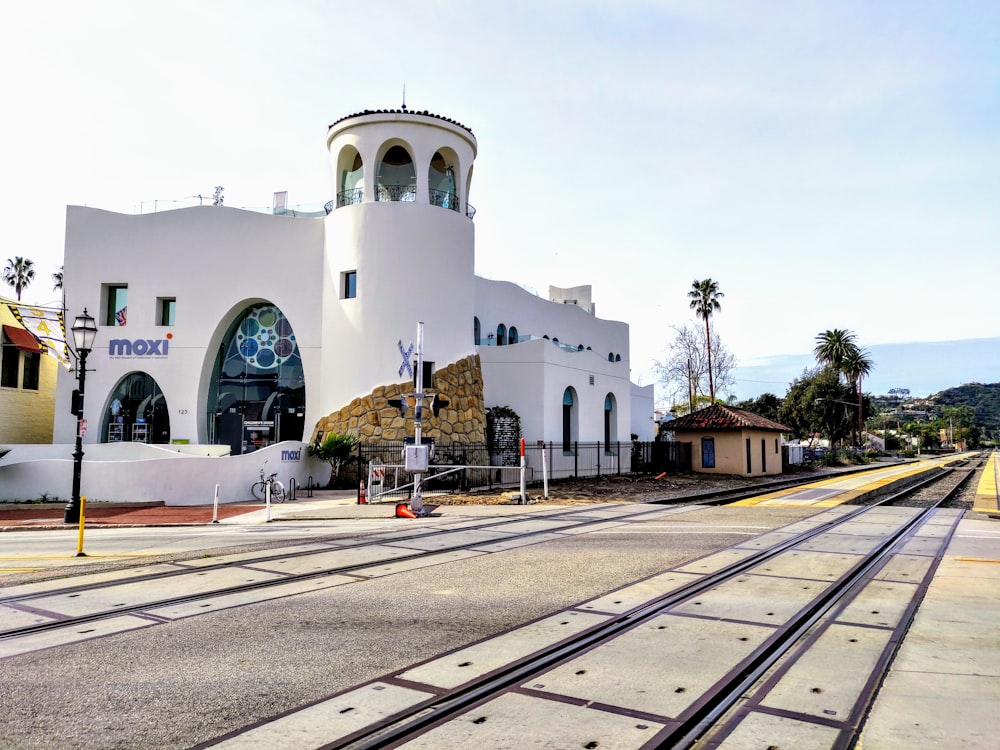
(681, 715)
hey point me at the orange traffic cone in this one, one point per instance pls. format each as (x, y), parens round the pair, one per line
(362, 498)
(403, 511)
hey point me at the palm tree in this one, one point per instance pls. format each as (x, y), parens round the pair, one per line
(19, 273)
(705, 296)
(57, 283)
(833, 347)
(855, 366)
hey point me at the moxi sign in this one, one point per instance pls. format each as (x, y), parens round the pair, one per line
(139, 347)
(295, 455)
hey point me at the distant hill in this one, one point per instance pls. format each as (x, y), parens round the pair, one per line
(984, 399)
(924, 368)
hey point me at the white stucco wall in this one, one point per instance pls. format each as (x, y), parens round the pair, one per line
(531, 378)
(215, 261)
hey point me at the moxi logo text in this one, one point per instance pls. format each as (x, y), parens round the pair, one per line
(139, 347)
(295, 455)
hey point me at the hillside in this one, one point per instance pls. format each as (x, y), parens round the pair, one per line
(983, 398)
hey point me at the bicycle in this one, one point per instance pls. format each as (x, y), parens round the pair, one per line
(259, 488)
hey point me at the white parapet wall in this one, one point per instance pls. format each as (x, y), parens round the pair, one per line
(139, 473)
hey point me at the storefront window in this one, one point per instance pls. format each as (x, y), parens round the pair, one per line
(257, 396)
(136, 412)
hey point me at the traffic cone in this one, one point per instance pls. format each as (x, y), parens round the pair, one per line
(362, 499)
(403, 511)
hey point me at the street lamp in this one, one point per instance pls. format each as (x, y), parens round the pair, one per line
(84, 332)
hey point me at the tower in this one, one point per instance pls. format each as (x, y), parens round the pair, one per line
(400, 248)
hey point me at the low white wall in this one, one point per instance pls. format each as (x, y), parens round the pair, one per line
(144, 473)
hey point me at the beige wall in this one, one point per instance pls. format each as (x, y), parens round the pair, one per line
(731, 452)
(26, 416)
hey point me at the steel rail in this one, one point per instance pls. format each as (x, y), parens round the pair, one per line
(439, 709)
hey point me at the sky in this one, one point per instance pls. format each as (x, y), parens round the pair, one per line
(829, 164)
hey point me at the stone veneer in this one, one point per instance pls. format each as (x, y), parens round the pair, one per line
(462, 421)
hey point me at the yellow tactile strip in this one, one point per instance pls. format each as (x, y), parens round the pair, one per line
(840, 490)
(986, 492)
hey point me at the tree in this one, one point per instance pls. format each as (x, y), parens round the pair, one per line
(335, 448)
(705, 297)
(833, 346)
(57, 283)
(685, 369)
(855, 365)
(19, 273)
(815, 404)
(766, 405)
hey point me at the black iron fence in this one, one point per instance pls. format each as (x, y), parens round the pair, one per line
(473, 467)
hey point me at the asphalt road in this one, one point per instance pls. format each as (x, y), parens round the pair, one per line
(184, 682)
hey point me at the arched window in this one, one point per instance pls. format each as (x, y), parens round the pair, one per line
(618, 358)
(579, 347)
(397, 180)
(476, 331)
(257, 395)
(501, 334)
(352, 178)
(610, 421)
(441, 182)
(570, 419)
(611, 356)
(136, 412)
(512, 335)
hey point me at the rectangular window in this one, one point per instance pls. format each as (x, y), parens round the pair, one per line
(349, 284)
(749, 464)
(8, 371)
(708, 453)
(763, 456)
(166, 308)
(32, 364)
(116, 306)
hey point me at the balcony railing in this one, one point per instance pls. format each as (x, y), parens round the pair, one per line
(405, 193)
(350, 197)
(444, 199)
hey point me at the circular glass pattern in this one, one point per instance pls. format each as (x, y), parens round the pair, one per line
(265, 338)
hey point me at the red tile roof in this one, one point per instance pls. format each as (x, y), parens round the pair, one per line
(721, 417)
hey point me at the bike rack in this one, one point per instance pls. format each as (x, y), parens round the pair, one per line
(292, 486)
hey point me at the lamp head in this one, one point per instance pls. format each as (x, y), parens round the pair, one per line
(84, 332)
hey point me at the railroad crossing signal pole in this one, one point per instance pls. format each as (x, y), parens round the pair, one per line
(417, 502)
(415, 457)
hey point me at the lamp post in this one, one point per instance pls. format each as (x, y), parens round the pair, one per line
(84, 332)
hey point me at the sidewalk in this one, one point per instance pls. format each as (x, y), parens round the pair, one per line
(323, 504)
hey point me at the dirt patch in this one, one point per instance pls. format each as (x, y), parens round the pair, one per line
(613, 489)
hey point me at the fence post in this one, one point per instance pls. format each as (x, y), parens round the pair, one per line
(357, 498)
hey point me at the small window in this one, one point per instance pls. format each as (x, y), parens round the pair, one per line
(116, 305)
(512, 335)
(11, 361)
(501, 334)
(349, 284)
(32, 364)
(166, 308)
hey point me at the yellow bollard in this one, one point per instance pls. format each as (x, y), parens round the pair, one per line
(83, 514)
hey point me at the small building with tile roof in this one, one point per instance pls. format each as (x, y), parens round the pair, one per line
(727, 440)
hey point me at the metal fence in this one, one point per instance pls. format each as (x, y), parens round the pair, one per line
(473, 467)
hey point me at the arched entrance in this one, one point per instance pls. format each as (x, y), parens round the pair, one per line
(136, 412)
(257, 396)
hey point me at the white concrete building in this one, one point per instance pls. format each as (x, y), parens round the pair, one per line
(228, 327)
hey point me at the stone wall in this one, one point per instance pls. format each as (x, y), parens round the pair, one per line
(462, 421)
